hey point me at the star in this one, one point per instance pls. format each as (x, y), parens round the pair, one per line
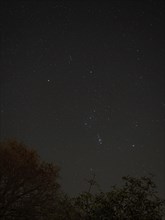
(136, 124)
(99, 139)
(70, 59)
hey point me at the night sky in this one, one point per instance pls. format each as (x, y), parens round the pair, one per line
(82, 83)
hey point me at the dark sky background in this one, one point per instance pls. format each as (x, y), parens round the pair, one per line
(82, 83)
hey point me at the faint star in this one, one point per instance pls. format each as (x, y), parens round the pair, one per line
(70, 59)
(99, 139)
(137, 124)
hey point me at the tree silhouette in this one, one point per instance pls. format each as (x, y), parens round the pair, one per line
(29, 190)
(28, 186)
(136, 200)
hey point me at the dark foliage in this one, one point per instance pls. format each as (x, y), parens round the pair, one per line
(29, 190)
(28, 186)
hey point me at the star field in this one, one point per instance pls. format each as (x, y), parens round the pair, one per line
(83, 84)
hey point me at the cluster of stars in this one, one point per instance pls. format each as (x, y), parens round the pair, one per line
(99, 139)
(91, 60)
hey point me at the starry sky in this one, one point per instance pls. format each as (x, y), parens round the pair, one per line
(82, 83)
